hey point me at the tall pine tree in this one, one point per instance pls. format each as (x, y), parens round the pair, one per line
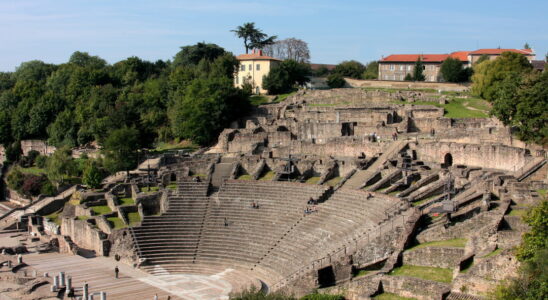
(417, 73)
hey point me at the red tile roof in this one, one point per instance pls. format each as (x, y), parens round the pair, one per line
(255, 55)
(500, 51)
(414, 57)
(460, 55)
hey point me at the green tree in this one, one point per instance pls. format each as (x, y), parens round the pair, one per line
(408, 77)
(206, 107)
(284, 77)
(192, 55)
(60, 166)
(371, 71)
(253, 37)
(92, 175)
(483, 57)
(120, 149)
(451, 70)
(418, 71)
(526, 46)
(335, 81)
(15, 179)
(351, 68)
(521, 102)
(489, 74)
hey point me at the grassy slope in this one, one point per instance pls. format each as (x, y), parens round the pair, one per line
(427, 273)
(447, 243)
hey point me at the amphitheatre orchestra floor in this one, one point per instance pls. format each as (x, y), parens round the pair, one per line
(133, 284)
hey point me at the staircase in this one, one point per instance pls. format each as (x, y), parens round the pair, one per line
(360, 178)
(529, 168)
(220, 173)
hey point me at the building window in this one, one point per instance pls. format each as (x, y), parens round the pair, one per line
(409, 68)
(242, 68)
(424, 67)
(392, 67)
(250, 68)
(402, 67)
(258, 67)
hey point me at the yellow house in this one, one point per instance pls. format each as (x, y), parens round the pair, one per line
(252, 69)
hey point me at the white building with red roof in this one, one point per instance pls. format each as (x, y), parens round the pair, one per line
(397, 66)
(253, 67)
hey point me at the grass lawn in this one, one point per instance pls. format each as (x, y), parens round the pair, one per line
(116, 222)
(518, 212)
(361, 273)
(493, 253)
(427, 273)
(542, 193)
(133, 218)
(126, 201)
(245, 177)
(82, 218)
(333, 181)
(282, 97)
(185, 144)
(258, 100)
(149, 190)
(457, 108)
(461, 243)
(54, 217)
(390, 296)
(101, 209)
(313, 180)
(172, 186)
(33, 170)
(267, 176)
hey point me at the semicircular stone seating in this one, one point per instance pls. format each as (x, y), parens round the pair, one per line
(208, 235)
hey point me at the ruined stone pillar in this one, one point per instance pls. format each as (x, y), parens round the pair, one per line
(62, 279)
(85, 293)
(19, 259)
(103, 296)
(68, 285)
(55, 283)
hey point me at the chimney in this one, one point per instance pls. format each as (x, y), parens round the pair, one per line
(260, 52)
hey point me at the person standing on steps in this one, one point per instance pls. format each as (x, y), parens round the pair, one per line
(116, 271)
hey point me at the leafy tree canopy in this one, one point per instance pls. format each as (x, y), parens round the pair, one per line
(192, 55)
(335, 81)
(371, 71)
(351, 68)
(284, 77)
(253, 37)
(488, 75)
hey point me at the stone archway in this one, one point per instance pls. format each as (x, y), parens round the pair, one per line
(173, 177)
(447, 160)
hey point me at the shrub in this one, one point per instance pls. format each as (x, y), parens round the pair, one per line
(335, 81)
(15, 179)
(40, 161)
(352, 69)
(32, 185)
(48, 188)
(317, 296)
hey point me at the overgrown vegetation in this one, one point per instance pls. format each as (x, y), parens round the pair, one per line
(390, 296)
(532, 279)
(460, 242)
(518, 93)
(85, 99)
(254, 294)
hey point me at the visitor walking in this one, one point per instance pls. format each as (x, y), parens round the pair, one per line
(116, 271)
(155, 296)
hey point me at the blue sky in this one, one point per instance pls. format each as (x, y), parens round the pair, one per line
(50, 30)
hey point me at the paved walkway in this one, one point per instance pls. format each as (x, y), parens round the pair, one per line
(133, 284)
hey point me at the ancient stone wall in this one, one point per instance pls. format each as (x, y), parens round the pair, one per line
(2, 154)
(37, 145)
(85, 236)
(408, 85)
(414, 287)
(440, 257)
(485, 156)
